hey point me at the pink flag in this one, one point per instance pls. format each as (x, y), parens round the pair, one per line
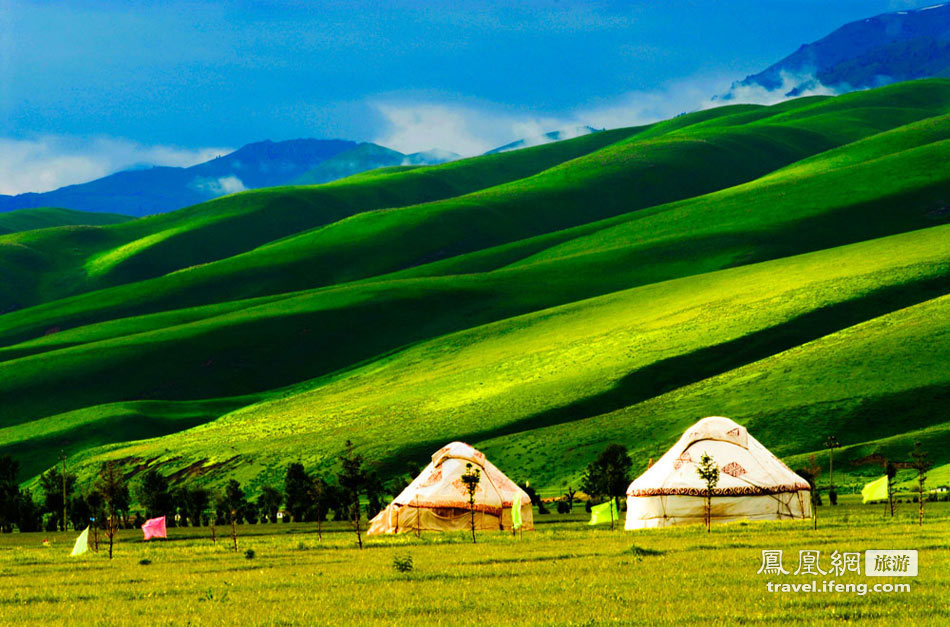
(154, 528)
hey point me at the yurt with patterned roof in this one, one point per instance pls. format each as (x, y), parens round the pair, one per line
(437, 499)
(753, 483)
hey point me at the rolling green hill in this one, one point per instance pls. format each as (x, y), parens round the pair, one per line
(48, 217)
(787, 266)
(55, 263)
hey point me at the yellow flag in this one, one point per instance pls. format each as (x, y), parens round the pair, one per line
(603, 513)
(875, 491)
(82, 543)
(516, 511)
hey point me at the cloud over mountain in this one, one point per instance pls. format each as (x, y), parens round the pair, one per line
(51, 161)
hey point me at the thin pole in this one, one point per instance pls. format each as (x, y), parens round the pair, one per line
(831, 468)
(63, 455)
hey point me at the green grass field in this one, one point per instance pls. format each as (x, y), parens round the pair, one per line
(564, 573)
(49, 217)
(786, 266)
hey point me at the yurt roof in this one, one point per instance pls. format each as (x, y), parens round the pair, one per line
(439, 484)
(746, 467)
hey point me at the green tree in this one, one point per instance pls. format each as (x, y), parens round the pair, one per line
(708, 471)
(891, 471)
(97, 511)
(922, 464)
(569, 497)
(375, 490)
(297, 491)
(251, 513)
(51, 482)
(811, 473)
(326, 497)
(531, 492)
(155, 495)
(79, 512)
(233, 504)
(400, 483)
(471, 478)
(9, 493)
(29, 514)
(194, 502)
(115, 492)
(322, 496)
(352, 479)
(609, 475)
(269, 502)
(832, 443)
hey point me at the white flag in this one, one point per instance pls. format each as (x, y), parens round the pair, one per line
(82, 543)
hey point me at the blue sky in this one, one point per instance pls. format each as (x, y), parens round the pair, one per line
(89, 87)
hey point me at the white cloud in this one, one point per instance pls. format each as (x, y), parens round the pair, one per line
(805, 83)
(51, 161)
(466, 130)
(219, 186)
(645, 106)
(470, 130)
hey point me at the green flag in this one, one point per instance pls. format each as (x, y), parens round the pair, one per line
(875, 491)
(516, 511)
(82, 543)
(602, 513)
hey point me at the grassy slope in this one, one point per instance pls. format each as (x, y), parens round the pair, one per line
(854, 383)
(682, 157)
(203, 352)
(351, 248)
(55, 263)
(512, 235)
(48, 217)
(503, 377)
(77, 431)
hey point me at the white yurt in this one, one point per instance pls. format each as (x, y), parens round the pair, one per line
(437, 500)
(753, 483)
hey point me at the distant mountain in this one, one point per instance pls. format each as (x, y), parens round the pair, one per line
(368, 156)
(46, 217)
(140, 192)
(888, 48)
(553, 136)
(430, 157)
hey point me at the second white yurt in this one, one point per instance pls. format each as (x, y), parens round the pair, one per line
(437, 499)
(753, 483)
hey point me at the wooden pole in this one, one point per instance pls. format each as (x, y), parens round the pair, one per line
(63, 455)
(359, 536)
(111, 529)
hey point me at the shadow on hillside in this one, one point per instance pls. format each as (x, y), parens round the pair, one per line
(675, 372)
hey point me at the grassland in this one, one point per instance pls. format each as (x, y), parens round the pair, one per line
(49, 217)
(786, 266)
(564, 573)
